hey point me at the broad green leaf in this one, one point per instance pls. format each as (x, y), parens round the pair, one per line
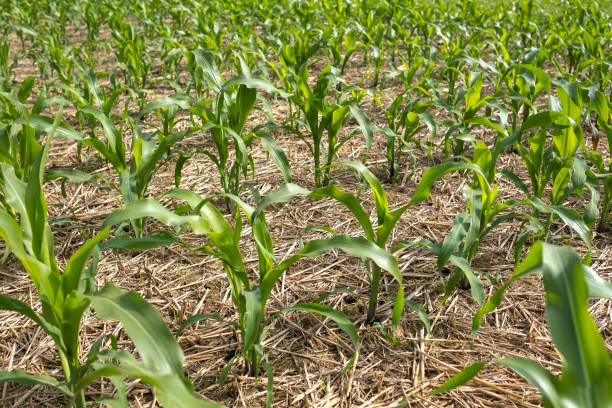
(415, 307)
(44, 124)
(541, 76)
(154, 239)
(252, 81)
(21, 377)
(156, 346)
(351, 245)
(7, 303)
(538, 376)
(251, 320)
(461, 378)
(434, 173)
(542, 120)
(378, 192)
(76, 264)
(162, 357)
(587, 375)
(277, 155)
(182, 101)
(152, 208)
(364, 123)
(598, 287)
(568, 215)
(530, 265)
(114, 140)
(198, 318)
(207, 64)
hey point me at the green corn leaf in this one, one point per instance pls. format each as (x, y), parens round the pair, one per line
(206, 62)
(476, 286)
(452, 241)
(15, 196)
(25, 89)
(587, 375)
(182, 101)
(7, 303)
(21, 377)
(158, 349)
(170, 389)
(364, 123)
(153, 239)
(42, 123)
(461, 378)
(434, 173)
(76, 264)
(598, 287)
(288, 191)
(277, 155)
(252, 81)
(113, 138)
(109, 155)
(415, 307)
(152, 208)
(252, 318)
(162, 357)
(538, 73)
(198, 318)
(351, 245)
(530, 265)
(568, 215)
(542, 120)
(380, 197)
(73, 175)
(538, 376)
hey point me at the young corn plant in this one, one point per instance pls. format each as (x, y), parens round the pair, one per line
(465, 119)
(379, 235)
(483, 214)
(297, 47)
(524, 82)
(555, 162)
(226, 117)
(6, 66)
(586, 375)
(21, 129)
(66, 295)
(319, 116)
(403, 125)
(250, 299)
(600, 105)
(148, 150)
(341, 43)
(135, 61)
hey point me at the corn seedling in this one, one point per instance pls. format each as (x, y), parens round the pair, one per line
(227, 116)
(319, 116)
(379, 236)
(250, 299)
(66, 295)
(484, 213)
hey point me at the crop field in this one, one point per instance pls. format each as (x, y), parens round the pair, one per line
(313, 203)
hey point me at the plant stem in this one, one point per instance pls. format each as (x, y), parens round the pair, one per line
(374, 285)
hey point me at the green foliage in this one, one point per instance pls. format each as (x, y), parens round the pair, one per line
(250, 299)
(379, 236)
(586, 377)
(66, 295)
